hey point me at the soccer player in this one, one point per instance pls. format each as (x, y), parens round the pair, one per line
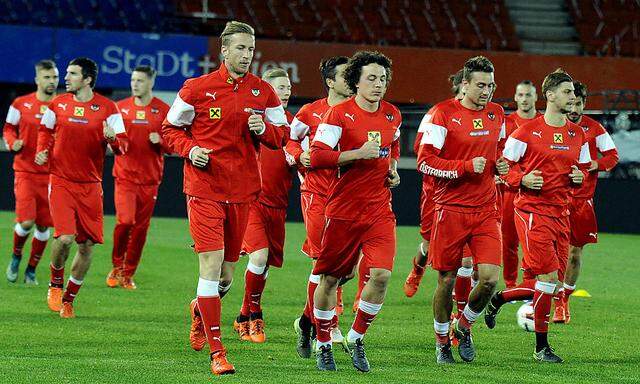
(360, 138)
(315, 185)
(459, 148)
(548, 151)
(427, 205)
(525, 98)
(137, 175)
(31, 180)
(73, 137)
(264, 237)
(582, 217)
(216, 122)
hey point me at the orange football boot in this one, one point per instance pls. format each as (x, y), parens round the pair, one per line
(54, 299)
(67, 310)
(559, 313)
(220, 365)
(113, 278)
(256, 331)
(127, 282)
(242, 329)
(197, 338)
(413, 280)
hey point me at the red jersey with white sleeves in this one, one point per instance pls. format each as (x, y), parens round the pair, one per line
(144, 160)
(305, 125)
(552, 151)
(72, 131)
(453, 136)
(359, 187)
(600, 143)
(22, 123)
(514, 121)
(209, 112)
(276, 172)
(427, 181)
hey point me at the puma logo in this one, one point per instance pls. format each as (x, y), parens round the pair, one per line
(125, 111)
(318, 116)
(350, 116)
(593, 234)
(213, 96)
(63, 106)
(539, 134)
(458, 120)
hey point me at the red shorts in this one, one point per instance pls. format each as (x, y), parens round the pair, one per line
(583, 222)
(427, 207)
(134, 203)
(313, 214)
(266, 230)
(32, 200)
(215, 225)
(544, 241)
(453, 230)
(76, 209)
(343, 240)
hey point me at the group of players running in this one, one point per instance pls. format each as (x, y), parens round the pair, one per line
(490, 181)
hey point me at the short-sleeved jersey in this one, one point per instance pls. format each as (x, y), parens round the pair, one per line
(77, 153)
(210, 112)
(552, 151)
(453, 136)
(276, 173)
(305, 125)
(360, 187)
(599, 143)
(144, 160)
(22, 123)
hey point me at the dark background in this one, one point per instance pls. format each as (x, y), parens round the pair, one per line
(615, 200)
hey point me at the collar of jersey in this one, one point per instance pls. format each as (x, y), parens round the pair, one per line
(225, 76)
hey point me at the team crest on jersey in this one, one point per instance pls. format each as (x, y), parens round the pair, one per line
(477, 124)
(572, 133)
(155, 110)
(255, 92)
(140, 115)
(215, 113)
(389, 117)
(43, 108)
(374, 136)
(585, 128)
(78, 111)
(95, 107)
(491, 116)
(230, 80)
(557, 138)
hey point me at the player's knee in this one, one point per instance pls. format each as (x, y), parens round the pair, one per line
(447, 279)
(27, 225)
(488, 284)
(467, 262)
(379, 279)
(329, 282)
(66, 240)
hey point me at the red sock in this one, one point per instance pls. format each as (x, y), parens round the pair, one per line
(462, 288)
(568, 292)
(37, 249)
(323, 324)
(57, 276)
(542, 306)
(18, 243)
(120, 241)
(334, 322)
(523, 291)
(364, 316)
(244, 310)
(137, 238)
(210, 308)
(311, 290)
(257, 287)
(72, 290)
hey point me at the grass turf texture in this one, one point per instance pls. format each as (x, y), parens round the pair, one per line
(142, 336)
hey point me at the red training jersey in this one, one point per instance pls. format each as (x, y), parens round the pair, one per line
(22, 123)
(210, 112)
(144, 160)
(305, 126)
(600, 143)
(359, 188)
(72, 132)
(551, 150)
(427, 180)
(512, 122)
(453, 136)
(276, 173)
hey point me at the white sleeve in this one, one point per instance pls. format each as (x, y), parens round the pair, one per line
(181, 113)
(328, 134)
(396, 134)
(299, 130)
(434, 135)
(503, 132)
(13, 116)
(276, 115)
(115, 121)
(426, 120)
(514, 149)
(604, 142)
(585, 156)
(48, 119)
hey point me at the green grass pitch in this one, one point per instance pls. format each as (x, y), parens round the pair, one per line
(142, 336)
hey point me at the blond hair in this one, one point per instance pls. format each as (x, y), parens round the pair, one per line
(274, 73)
(234, 27)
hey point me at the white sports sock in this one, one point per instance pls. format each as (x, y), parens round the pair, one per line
(20, 231)
(207, 288)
